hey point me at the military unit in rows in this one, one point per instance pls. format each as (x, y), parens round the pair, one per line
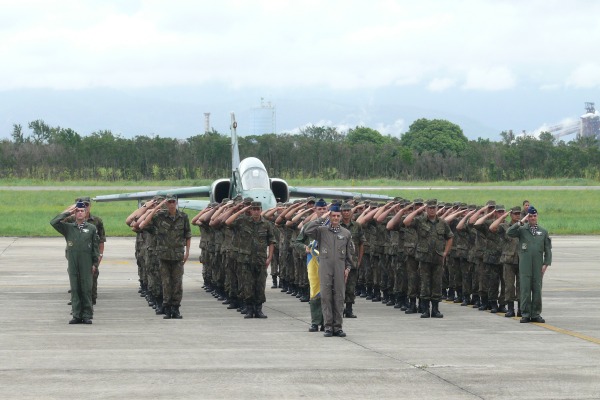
(408, 254)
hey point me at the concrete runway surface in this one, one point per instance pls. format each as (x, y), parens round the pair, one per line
(213, 353)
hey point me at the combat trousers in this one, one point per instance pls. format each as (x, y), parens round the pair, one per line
(363, 269)
(316, 312)
(400, 275)
(332, 295)
(431, 279)
(171, 273)
(455, 273)
(275, 262)
(376, 269)
(386, 280)
(482, 279)
(495, 279)
(511, 282)
(302, 276)
(153, 275)
(466, 276)
(414, 280)
(351, 286)
(80, 280)
(254, 277)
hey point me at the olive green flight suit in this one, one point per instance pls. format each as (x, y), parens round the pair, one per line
(534, 252)
(82, 253)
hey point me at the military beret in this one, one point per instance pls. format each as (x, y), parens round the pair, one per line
(432, 203)
(531, 210)
(256, 204)
(346, 206)
(500, 207)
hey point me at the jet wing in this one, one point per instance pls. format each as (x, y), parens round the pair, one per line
(333, 194)
(198, 191)
(196, 205)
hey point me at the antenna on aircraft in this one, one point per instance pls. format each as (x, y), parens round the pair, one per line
(235, 152)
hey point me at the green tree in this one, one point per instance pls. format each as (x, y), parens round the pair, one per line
(18, 134)
(436, 136)
(362, 134)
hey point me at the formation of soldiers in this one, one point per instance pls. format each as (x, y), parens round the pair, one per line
(409, 255)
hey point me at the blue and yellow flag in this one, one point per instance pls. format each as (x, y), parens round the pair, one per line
(312, 264)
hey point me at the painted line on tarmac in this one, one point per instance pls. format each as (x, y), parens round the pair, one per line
(550, 327)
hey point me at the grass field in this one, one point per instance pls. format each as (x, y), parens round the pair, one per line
(562, 212)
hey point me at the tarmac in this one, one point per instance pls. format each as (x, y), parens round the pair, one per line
(213, 353)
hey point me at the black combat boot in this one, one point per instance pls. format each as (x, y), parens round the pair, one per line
(280, 284)
(475, 301)
(502, 308)
(258, 313)
(511, 310)
(519, 309)
(348, 311)
(305, 295)
(459, 296)
(369, 293)
(363, 291)
(420, 305)
(244, 309)
(484, 304)
(435, 310)
(405, 304)
(399, 301)
(284, 286)
(376, 294)
(450, 295)
(290, 288)
(274, 286)
(466, 300)
(249, 311)
(357, 290)
(175, 312)
(300, 292)
(445, 294)
(167, 311)
(425, 309)
(221, 293)
(139, 289)
(233, 303)
(493, 307)
(412, 307)
(151, 300)
(385, 297)
(144, 288)
(159, 306)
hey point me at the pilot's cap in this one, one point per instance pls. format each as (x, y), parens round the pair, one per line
(321, 203)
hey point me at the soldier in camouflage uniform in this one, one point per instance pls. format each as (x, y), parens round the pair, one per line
(358, 239)
(412, 264)
(433, 247)
(139, 245)
(509, 258)
(480, 245)
(173, 234)
(256, 246)
(460, 274)
(396, 226)
(491, 258)
(376, 240)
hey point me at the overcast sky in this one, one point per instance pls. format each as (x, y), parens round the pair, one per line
(486, 65)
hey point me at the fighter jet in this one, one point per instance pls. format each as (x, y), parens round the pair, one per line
(249, 178)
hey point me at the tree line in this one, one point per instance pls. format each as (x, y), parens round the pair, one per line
(431, 149)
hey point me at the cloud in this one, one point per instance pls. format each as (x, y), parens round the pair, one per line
(441, 84)
(490, 79)
(585, 76)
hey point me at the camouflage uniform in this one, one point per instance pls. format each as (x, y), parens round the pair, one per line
(510, 264)
(254, 239)
(171, 233)
(493, 267)
(358, 238)
(432, 238)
